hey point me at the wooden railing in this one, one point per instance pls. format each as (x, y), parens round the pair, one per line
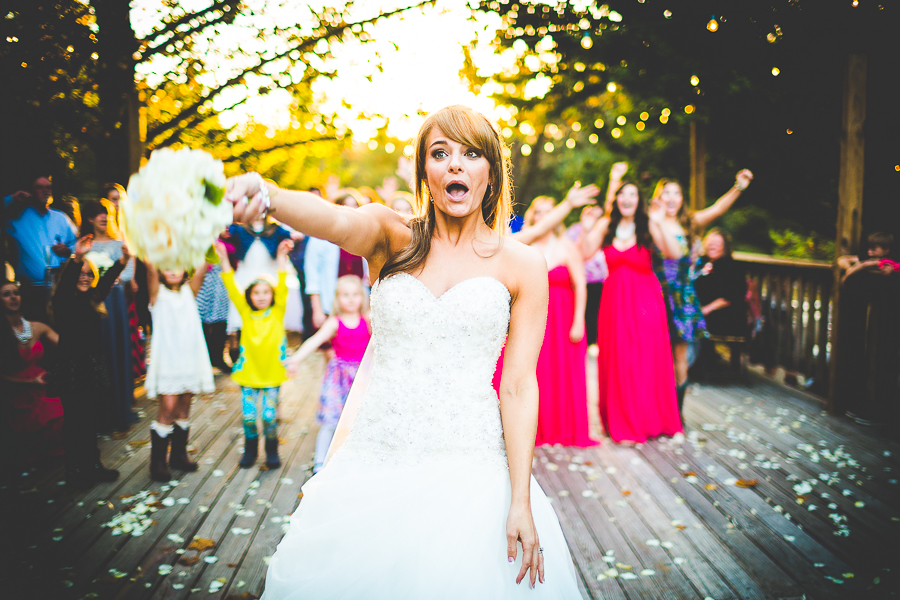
(797, 313)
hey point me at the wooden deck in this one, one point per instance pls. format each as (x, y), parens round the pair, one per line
(661, 520)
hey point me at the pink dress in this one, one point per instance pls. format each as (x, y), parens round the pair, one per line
(562, 380)
(349, 344)
(635, 369)
(31, 413)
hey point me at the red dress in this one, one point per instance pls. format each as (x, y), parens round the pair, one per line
(635, 369)
(562, 380)
(32, 414)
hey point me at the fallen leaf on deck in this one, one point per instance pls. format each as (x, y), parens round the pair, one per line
(232, 565)
(138, 443)
(165, 569)
(623, 566)
(211, 560)
(653, 542)
(648, 572)
(188, 560)
(627, 576)
(711, 486)
(241, 596)
(689, 474)
(200, 544)
(626, 493)
(746, 483)
(177, 586)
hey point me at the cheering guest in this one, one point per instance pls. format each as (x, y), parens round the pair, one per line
(637, 380)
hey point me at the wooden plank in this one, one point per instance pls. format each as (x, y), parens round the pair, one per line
(630, 471)
(586, 552)
(767, 573)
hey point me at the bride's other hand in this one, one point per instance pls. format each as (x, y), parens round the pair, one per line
(520, 528)
(240, 189)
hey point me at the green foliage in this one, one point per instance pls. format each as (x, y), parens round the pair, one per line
(791, 244)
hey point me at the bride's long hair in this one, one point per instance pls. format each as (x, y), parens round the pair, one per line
(470, 128)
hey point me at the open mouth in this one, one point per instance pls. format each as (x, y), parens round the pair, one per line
(457, 191)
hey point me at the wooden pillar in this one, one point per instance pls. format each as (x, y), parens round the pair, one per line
(850, 197)
(698, 165)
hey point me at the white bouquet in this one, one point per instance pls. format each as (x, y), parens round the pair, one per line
(174, 210)
(101, 260)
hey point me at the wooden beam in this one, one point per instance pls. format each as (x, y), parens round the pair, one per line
(698, 165)
(850, 198)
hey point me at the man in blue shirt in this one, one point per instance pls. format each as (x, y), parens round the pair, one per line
(40, 239)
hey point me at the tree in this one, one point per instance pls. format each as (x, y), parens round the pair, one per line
(765, 76)
(183, 67)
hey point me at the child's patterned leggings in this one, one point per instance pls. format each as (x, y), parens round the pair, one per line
(269, 399)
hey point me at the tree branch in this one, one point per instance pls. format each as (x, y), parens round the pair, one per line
(173, 25)
(181, 35)
(252, 151)
(330, 32)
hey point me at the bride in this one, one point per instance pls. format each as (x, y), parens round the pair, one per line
(431, 495)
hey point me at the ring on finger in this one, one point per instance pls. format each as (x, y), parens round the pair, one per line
(541, 550)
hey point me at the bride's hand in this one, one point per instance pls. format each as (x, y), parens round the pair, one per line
(243, 192)
(520, 528)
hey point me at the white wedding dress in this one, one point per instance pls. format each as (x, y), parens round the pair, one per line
(414, 504)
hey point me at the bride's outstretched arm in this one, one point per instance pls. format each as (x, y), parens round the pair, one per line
(519, 401)
(372, 231)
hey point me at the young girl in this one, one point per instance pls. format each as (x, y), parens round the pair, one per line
(179, 365)
(349, 333)
(258, 368)
(83, 376)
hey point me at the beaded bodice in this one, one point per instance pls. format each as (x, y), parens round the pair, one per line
(430, 395)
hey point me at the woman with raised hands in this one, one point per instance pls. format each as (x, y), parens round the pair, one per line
(637, 379)
(433, 464)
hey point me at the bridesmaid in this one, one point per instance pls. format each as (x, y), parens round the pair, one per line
(637, 380)
(686, 323)
(562, 379)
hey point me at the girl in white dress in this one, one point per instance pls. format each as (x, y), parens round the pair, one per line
(179, 366)
(431, 494)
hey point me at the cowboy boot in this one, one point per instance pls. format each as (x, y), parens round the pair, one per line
(251, 450)
(272, 460)
(159, 450)
(178, 459)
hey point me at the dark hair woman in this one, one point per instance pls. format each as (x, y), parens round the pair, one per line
(632, 328)
(83, 375)
(34, 419)
(118, 333)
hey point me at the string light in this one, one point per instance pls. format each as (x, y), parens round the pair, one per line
(570, 143)
(667, 14)
(599, 123)
(771, 37)
(776, 71)
(897, 167)
(855, 3)
(611, 87)
(666, 112)
(695, 80)
(594, 138)
(664, 119)
(549, 147)
(576, 126)
(525, 150)
(640, 126)
(587, 42)
(645, 116)
(790, 131)
(620, 119)
(689, 108)
(616, 133)
(713, 25)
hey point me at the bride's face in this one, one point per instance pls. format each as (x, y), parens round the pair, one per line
(457, 175)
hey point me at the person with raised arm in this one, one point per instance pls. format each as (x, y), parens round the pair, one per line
(432, 459)
(635, 372)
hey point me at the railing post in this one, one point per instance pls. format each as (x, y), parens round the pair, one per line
(850, 197)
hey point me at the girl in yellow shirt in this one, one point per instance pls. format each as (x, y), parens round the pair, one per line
(258, 369)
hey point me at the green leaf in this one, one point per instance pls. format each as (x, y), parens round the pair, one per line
(211, 256)
(213, 193)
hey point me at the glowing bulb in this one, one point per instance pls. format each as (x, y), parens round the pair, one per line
(645, 116)
(640, 125)
(389, 147)
(549, 147)
(771, 37)
(689, 108)
(576, 126)
(373, 144)
(713, 25)
(663, 119)
(587, 42)
(695, 80)
(775, 71)
(790, 131)
(897, 167)
(616, 133)
(599, 123)
(526, 150)
(666, 112)
(621, 119)
(570, 143)
(855, 3)
(594, 138)
(611, 87)
(667, 14)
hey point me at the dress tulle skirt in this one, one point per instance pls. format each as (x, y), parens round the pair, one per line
(423, 532)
